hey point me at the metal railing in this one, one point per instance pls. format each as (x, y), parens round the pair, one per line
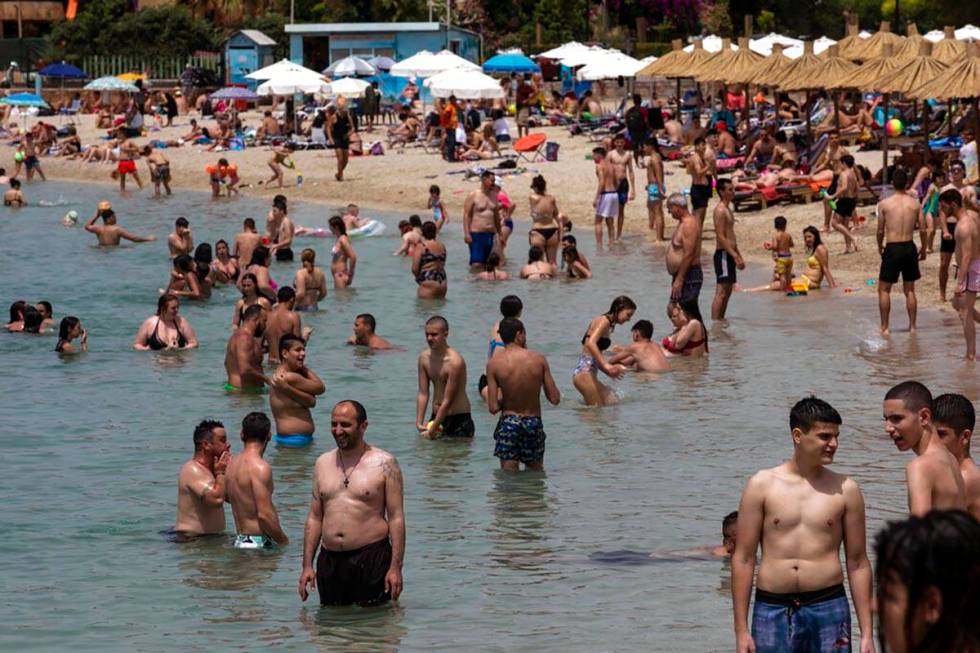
(157, 67)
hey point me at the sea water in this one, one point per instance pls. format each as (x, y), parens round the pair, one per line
(494, 562)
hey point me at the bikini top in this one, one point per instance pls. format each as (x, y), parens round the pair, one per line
(428, 257)
(813, 262)
(336, 252)
(602, 342)
(156, 344)
(61, 345)
(690, 345)
(493, 346)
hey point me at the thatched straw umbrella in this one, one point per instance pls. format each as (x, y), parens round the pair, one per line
(852, 44)
(677, 64)
(734, 63)
(872, 47)
(910, 49)
(949, 50)
(959, 81)
(797, 68)
(823, 76)
(716, 61)
(765, 67)
(871, 71)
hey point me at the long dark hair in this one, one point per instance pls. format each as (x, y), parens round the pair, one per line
(940, 551)
(693, 311)
(621, 303)
(260, 256)
(336, 222)
(68, 323)
(817, 241)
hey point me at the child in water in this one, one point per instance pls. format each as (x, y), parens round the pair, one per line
(782, 254)
(439, 214)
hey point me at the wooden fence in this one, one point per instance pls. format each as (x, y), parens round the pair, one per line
(157, 67)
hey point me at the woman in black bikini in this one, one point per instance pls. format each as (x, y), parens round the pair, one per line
(250, 295)
(546, 230)
(429, 264)
(596, 340)
(166, 329)
(690, 336)
(71, 328)
(224, 268)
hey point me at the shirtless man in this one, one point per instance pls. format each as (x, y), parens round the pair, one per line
(181, 240)
(245, 243)
(243, 355)
(282, 243)
(606, 202)
(201, 483)
(283, 320)
(726, 142)
(195, 133)
(159, 167)
(356, 518)
(761, 151)
(621, 161)
(250, 489)
(898, 217)
(269, 127)
(364, 335)
(933, 476)
(129, 152)
(967, 254)
(684, 252)
(656, 188)
(643, 355)
(109, 233)
(293, 392)
(445, 369)
(515, 378)
(957, 181)
(481, 221)
(14, 196)
(727, 257)
(955, 419)
(697, 167)
(802, 513)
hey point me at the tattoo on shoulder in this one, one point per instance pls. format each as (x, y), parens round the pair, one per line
(389, 468)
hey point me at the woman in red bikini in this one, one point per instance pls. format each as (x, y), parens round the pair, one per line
(690, 336)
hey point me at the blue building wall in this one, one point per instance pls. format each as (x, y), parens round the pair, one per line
(402, 44)
(243, 56)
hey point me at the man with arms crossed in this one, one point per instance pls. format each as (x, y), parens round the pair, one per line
(955, 420)
(250, 489)
(201, 484)
(293, 391)
(684, 251)
(897, 219)
(356, 518)
(802, 513)
(727, 256)
(622, 163)
(442, 365)
(606, 201)
(481, 221)
(520, 375)
(967, 252)
(933, 476)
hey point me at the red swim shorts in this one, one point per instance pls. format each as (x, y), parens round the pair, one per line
(128, 166)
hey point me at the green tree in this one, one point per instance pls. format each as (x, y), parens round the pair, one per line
(562, 20)
(272, 25)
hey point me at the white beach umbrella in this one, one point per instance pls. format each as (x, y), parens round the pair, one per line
(584, 56)
(609, 65)
(763, 44)
(349, 87)
(968, 33)
(564, 50)
(279, 68)
(935, 35)
(292, 82)
(349, 66)
(464, 83)
(427, 64)
(819, 46)
(712, 43)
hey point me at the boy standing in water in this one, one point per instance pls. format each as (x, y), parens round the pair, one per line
(955, 420)
(782, 246)
(249, 489)
(802, 513)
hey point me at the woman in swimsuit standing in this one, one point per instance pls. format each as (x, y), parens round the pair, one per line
(596, 340)
(71, 328)
(310, 282)
(224, 268)
(546, 228)
(817, 260)
(343, 259)
(536, 267)
(429, 264)
(258, 267)
(166, 329)
(250, 295)
(690, 337)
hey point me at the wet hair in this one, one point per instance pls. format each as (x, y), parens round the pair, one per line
(621, 303)
(571, 254)
(900, 179)
(810, 410)
(954, 411)
(181, 222)
(367, 319)
(68, 323)
(508, 329)
(951, 196)
(287, 341)
(511, 306)
(14, 183)
(535, 254)
(204, 432)
(492, 262)
(32, 320)
(813, 231)
(729, 519)
(252, 312)
(692, 311)
(722, 184)
(415, 221)
(47, 307)
(570, 239)
(847, 160)
(337, 223)
(308, 256)
(249, 276)
(434, 190)
(279, 201)
(203, 253)
(601, 151)
(286, 294)
(942, 551)
(260, 256)
(248, 223)
(404, 225)
(645, 327)
(429, 230)
(487, 174)
(164, 300)
(184, 263)
(779, 223)
(440, 320)
(359, 409)
(256, 427)
(539, 184)
(913, 394)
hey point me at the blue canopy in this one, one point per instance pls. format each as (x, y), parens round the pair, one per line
(510, 63)
(24, 100)
(65, 70)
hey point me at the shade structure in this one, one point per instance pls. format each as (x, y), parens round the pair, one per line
(968, 33)
(800, 68)
(959, 81)
(24, 100)
(825, 75)
(765, 45)
(234, 93)
(349, 87)
(464, 83)
(677, 63)
(348, 67)
(665, 62)
(764, 67)
(712, 43)
(912, 74)
(563, 50)
(111, 83)
(716, 59)
(852, 45)
(872, 47)
(735, 63)
(585, 57)
(62, 70)
(510, 62)
(427, 64)
(949, 50)
(611, 64)
(132, 77)
(872, 70)
(293, 82)
(382, 63)
(910, 47)
(279, 68)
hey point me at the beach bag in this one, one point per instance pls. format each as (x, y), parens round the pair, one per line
(551, 151)
(376, 149)
(508, 164)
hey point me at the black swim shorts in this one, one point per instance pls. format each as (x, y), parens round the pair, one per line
(354, 577)
(700, 194)
(948, 246)
(845, 206)
(899, 258)
(459, 425)
(284, 254)
(724, 267)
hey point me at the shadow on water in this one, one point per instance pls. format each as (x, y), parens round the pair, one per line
(522, 520)
(353, 629)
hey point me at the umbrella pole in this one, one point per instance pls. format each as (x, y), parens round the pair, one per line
(976, 119)
(808, 107)
(884, 146)
(677, 105)
(837, 112)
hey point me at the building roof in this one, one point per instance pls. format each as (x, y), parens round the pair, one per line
(355, 28)
(257, 37)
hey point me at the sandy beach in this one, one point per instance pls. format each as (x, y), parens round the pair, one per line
(399, 181)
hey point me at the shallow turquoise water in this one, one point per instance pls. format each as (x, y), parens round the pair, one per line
(494, 562)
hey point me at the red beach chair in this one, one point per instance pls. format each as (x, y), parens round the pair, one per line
(529, 147)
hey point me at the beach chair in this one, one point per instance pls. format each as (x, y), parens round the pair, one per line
(529, 147)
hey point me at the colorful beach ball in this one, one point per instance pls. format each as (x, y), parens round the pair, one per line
(894, 127)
